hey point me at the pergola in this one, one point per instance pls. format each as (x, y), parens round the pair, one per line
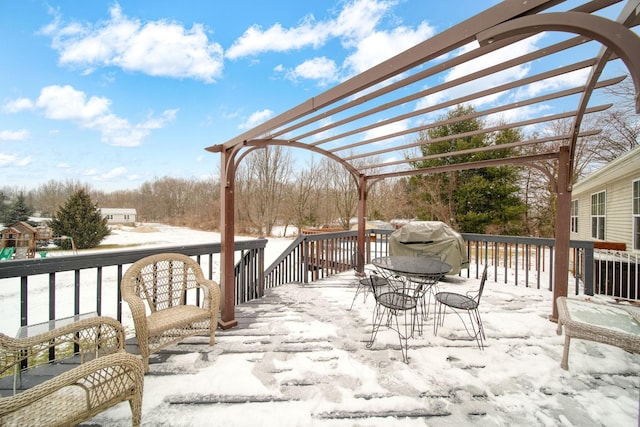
(527, 63)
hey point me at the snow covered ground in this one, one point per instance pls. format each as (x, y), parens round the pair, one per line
(299, 359)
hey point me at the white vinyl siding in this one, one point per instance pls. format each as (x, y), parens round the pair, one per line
(618, 180)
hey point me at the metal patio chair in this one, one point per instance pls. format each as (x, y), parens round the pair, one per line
(391, 304)
(463, 303)
(366, 284)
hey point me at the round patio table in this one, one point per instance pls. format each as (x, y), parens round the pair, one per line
(421, 267)
(418, 277)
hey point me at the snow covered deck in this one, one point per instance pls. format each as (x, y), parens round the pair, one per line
(298, 358)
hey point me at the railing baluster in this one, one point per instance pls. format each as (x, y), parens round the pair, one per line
(99, 291)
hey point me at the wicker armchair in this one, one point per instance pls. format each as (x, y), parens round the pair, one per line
(105, 377)
(169, 300)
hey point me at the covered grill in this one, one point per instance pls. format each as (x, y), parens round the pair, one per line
(430, 238)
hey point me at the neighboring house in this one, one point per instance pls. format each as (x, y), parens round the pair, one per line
(119, 216)
(605, 206)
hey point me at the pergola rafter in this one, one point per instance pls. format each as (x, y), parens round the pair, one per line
(521, 64)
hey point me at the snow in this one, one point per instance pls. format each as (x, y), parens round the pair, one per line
(302, 360)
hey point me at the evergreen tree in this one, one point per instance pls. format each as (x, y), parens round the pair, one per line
(4, 205)
(473, 201)
(17, 210)
(80, 219)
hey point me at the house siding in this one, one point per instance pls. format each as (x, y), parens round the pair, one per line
(119, 216)
(616, 179)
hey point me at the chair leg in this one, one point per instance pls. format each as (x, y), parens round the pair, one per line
(358, 290)
(135, 403)
(425, 306)
(439, 310)
(378, 314)
(477, 329)
(481, 336)
(476, 326)
(408, 330)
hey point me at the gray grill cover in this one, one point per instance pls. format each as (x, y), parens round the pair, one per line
(430, 238)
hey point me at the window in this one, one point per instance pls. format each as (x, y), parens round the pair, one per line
(598, 209)
(126, 217)
(574, 216)
(635, 201)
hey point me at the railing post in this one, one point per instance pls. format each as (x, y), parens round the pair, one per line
(588, 270)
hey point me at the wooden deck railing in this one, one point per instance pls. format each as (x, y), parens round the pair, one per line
(309, 257)
(314, 256)
(87, 274)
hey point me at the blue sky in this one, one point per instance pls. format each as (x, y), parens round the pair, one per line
(114, 94)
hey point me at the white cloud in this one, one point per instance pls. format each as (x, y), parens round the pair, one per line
(113, 173)
(322, 69)
(554, 83)
(14, 135)
(24, 162)
(7, 159)
(357, 19)
(256, 118)
(356, 28)
(67, 103)
(278, 39)
(382, 45)
(13, 160)
(494, 57)
(158, 48)
(18, 105)
(386, 130)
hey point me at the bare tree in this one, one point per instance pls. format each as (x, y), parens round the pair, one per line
(50, 196)
(342, 192)
(620, 125)
(302, 201)
(263, 177)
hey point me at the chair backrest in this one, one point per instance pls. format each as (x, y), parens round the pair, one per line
(162, 280)
(379, 285)
(482, 281)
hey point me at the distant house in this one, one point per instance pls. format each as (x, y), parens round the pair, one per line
(605, 206)
(119, 215)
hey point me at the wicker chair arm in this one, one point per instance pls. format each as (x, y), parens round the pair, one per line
(138, 309)
(211, 291)
(89, 376)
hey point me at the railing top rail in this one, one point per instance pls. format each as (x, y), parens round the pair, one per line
(347, 233)
(22, 267)
(535, 241)
(285, 253)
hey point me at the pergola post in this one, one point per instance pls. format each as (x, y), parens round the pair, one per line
(562, 231)
(227, 220)
(362, 213)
